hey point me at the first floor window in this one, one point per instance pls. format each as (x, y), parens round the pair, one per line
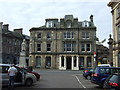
(38, 47)
(48, 47)
(68, 35)
(85, 47)
(82, 47)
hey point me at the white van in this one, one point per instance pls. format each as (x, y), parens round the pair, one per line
(104, 65)
(22, 77)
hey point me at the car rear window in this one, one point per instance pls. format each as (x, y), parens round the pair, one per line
(109, 70)
(114, 78)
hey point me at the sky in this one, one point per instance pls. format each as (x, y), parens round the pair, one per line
(32, 13)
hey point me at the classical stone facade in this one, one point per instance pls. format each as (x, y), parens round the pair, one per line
(11, 44)
(63, 44)
(115, 6)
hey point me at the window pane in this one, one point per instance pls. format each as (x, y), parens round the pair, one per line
(38, 47)
(82, 47)
(48, 35)
(88, 47)
(48, 47)
(89, 63)
(39, 35)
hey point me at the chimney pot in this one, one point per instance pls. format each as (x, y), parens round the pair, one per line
(20, 30)
(6, 27)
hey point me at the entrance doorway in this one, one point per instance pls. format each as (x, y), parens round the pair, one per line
(68, 62)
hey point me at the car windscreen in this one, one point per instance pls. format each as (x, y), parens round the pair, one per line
(109, 70)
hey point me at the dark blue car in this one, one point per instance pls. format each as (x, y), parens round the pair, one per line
(101, 74)
(87, 73)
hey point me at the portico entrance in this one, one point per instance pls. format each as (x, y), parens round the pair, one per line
(69, 63)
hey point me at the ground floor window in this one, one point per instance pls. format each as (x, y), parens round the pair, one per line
(48, 62)
(81, 62)
(89, 62)
(38, 61)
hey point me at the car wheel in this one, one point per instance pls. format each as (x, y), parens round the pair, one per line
(28, 82)
(88, 77)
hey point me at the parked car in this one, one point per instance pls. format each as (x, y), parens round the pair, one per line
(27, 70)
(22, 77)
(101, 74)
(112, 82)
(88, 72)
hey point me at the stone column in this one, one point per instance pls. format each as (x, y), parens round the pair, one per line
(85, 61)
(72, 63)
(59, 61)
(92, 61)
(78, 62)
(65, 62)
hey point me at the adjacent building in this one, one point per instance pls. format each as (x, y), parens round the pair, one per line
(115, 6)
(11, 44)
(64, 43)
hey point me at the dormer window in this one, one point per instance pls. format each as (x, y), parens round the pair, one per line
(68, 24)
(85, 24)
(49, 24)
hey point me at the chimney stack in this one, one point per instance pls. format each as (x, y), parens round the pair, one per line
(1, 24)
(6, 27)
(20, 30)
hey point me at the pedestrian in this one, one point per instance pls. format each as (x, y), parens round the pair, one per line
(11, 72)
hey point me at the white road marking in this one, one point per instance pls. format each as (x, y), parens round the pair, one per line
(79, 81)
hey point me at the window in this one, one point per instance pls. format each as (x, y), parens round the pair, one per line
(118, 10)
(48, 47)
(68, 35)
(69, 24)
(39, 35)
(85, 47)
(82, 47)
(48, 35)
(38, 47)
(85, 24)
(38, 61)
(48, 62)
(85, 35)
(88, 47)
(49, 24)
(89, 63)
(69, 47)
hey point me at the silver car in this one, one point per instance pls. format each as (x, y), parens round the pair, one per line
(22, 77)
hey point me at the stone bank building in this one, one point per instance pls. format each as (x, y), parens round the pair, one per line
(64, 43)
